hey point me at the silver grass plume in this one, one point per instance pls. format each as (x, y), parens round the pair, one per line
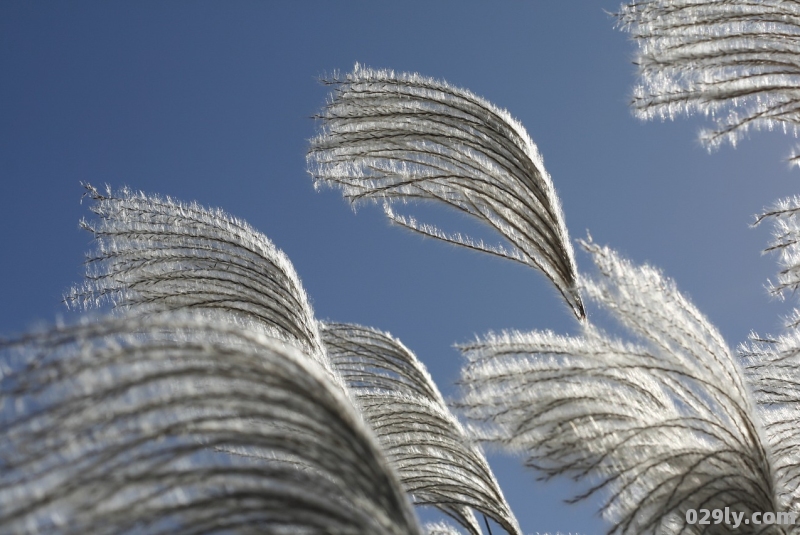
(427, 446)
(786, 242)
(390, 136)
(157, 254)
(657, 425)
(772, 370)
(737, 60)
(773, 363)
(113, 428)
(153, 254)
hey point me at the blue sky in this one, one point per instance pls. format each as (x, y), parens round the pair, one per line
(213, 102)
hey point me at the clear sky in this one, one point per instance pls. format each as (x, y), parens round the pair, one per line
(212, 102)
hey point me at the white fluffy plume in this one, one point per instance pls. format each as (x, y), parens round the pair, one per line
(122, 426)
(738, 60)
(425, 443)
(784, 216)
(157, 254)
(772, 366)
(773, 363)
(658, 425)
(397, 136)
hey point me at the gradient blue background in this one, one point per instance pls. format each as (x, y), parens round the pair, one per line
(212, 102)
